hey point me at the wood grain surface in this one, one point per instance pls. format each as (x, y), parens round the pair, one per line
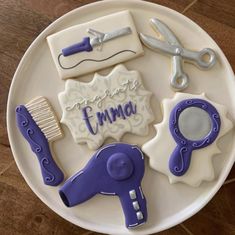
(21, 212)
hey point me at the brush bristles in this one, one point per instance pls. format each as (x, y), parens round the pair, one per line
(44, 116)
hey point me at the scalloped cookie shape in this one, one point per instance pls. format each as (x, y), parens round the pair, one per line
(160, 148)
(108, 106)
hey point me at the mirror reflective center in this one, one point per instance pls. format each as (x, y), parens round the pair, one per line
(194, 123)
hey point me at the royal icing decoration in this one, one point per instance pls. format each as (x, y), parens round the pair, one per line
(187, 137)
(38, 124)
(203, 123)
(109, 106)
(172, 46)
(94, 45)
(117, 170)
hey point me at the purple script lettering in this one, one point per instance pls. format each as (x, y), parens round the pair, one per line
(110, 115)
(129, 109)
(103, 116)
(117, 112)
(86, 118)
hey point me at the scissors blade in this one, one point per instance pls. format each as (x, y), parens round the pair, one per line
(156, 44)
(179, 80)
(162, 28)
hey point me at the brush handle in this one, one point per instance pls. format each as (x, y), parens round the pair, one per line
(51, 173)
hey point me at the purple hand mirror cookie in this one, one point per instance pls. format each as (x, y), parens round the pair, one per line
(194, 124)
(115, 169)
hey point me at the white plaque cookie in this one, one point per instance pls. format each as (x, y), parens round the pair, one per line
(197, 127)
(108, 106)
(117, 41)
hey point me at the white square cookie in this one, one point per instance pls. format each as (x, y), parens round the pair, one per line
(111, 52)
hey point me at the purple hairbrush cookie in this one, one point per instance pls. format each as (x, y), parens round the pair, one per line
(38, 123)
(116, 169)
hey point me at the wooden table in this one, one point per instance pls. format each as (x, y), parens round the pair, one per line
(21, 212)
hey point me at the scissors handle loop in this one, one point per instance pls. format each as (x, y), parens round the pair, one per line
(205, 59)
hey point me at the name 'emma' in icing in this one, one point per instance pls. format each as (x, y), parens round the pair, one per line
(108, 106)
(108, 115)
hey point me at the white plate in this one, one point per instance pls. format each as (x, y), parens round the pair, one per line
(168, 204)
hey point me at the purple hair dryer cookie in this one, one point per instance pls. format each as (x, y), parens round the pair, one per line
(115, 169)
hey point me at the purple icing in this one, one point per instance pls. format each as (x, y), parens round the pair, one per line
(51, 173)
(84, 45)
(120, 166)
(180, 158)
(108, 115)
(115, 169)
(86, 118)
(117, 112)
(129, 109)
(103, 117)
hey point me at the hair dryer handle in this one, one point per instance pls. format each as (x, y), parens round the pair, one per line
(134, 207)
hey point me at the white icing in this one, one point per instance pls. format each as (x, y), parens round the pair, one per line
(141, 192)
(109, 146)
(160, 148)
(137, 148)
(104, 24)
(128, 85)
(122, 87)
(45, 117)
(76, 175)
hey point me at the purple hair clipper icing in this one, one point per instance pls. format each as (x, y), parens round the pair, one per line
(38, 124)
(115, 169)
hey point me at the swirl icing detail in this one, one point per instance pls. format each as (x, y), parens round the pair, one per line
(50, 177)
(25, 120)
(216, 117)
(125, 86)
(51, 173)
(176, 168)
(36, 147)
(108, 106)
(182, 141)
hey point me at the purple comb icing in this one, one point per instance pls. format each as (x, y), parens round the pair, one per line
(51, 173)
(180, 159)
(115, 169)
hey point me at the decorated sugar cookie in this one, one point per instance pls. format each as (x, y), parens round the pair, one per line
(187, 138)
(39, 125)
(172, 46)
(114, 170)
(94, 45)
(109, 106)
